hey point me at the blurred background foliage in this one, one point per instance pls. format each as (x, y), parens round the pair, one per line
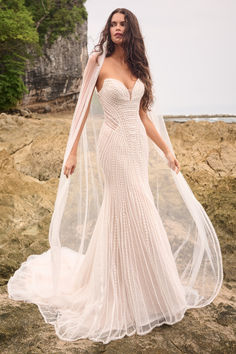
(25, 26)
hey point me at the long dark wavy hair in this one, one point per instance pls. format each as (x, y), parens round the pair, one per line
(134, 50)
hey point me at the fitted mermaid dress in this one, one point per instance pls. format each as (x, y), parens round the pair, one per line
(127, 281)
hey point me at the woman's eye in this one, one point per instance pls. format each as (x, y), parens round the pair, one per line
(113, 24)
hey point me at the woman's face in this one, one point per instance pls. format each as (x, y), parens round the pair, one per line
(117, 28)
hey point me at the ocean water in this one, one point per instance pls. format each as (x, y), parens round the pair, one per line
(200, 119)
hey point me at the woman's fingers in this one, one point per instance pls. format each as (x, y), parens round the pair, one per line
(70, 165)
(67, 171)
(72, 169)
(177, 165)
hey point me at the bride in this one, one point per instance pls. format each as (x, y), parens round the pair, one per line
(117, 66)
(131, 248)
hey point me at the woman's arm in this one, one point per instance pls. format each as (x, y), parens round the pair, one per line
(74, 148)
(153, 134)
(71, 161)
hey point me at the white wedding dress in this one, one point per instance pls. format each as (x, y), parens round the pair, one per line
(127, 281)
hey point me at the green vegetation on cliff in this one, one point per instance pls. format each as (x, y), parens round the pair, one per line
(24, 25)
(17, 33)
(56, 17)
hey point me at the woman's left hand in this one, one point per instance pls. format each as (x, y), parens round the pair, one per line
(172, 162)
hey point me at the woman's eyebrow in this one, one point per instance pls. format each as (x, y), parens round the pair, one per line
(118, 21)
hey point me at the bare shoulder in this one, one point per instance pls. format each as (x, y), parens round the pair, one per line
(93, 58)
(105, 66)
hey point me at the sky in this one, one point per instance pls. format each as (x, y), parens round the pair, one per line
(191, 49)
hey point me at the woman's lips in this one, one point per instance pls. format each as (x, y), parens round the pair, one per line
(118, 35)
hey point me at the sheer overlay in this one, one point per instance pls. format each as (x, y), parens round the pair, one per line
(131, 248)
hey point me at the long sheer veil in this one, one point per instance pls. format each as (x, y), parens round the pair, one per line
(190, 232)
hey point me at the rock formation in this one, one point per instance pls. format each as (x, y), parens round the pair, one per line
(54, 79)
(31, 153)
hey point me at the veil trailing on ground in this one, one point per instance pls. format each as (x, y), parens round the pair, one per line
(192, 238)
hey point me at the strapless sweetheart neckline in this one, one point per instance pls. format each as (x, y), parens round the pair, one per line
(111, 78)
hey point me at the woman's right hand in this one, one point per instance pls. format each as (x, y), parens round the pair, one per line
(70, 165)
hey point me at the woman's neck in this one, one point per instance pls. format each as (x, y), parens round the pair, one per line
(119, 54)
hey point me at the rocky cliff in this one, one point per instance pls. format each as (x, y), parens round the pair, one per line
(31, 153)
(54, 79)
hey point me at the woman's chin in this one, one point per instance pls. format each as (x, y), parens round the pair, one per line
(117, 40)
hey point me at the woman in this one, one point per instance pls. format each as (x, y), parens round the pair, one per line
(116, 62)
(133, 261)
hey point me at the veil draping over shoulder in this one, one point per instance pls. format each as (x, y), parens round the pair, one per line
(193, 240)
